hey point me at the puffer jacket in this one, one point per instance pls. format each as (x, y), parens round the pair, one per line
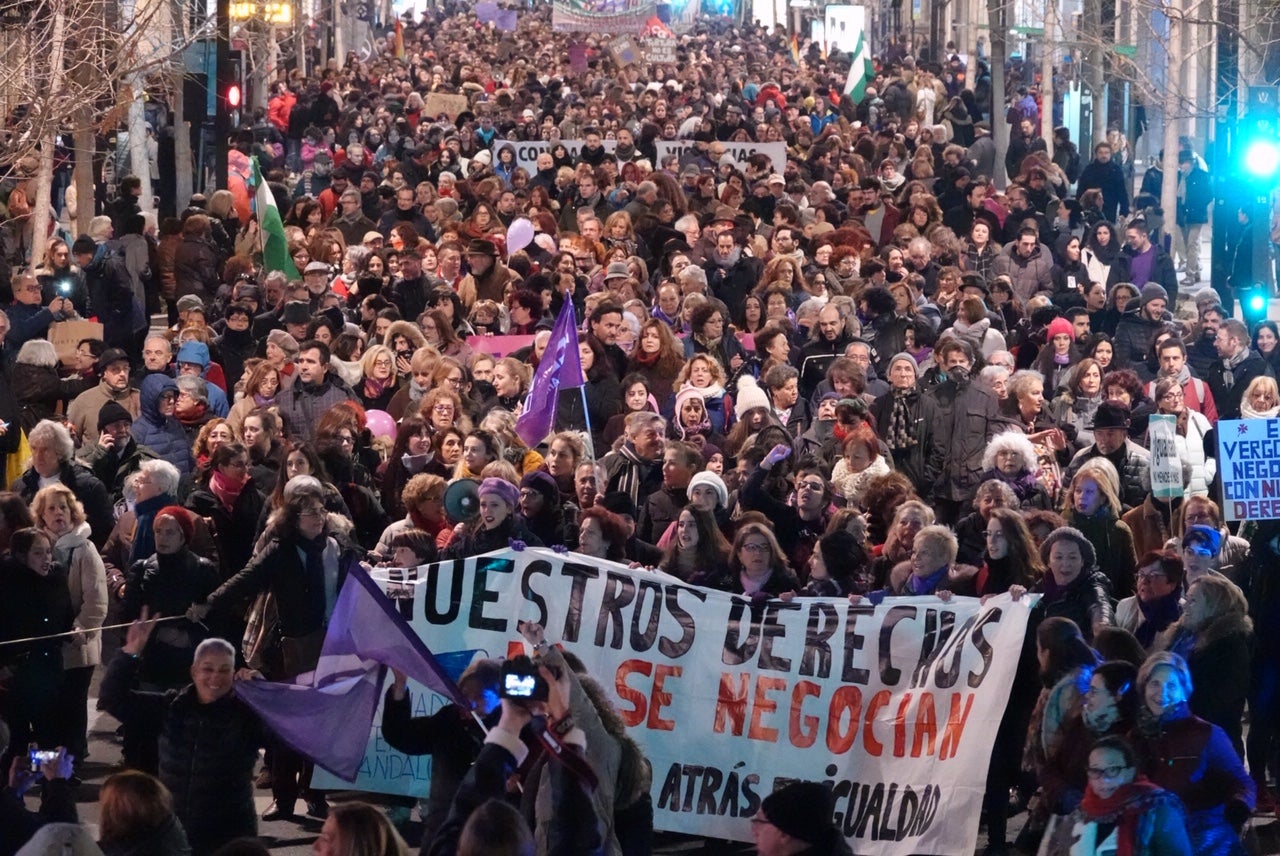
(1134, 334)
(1134, 470)
(207, 753)
(164, 435)
(1086, 600)
(1112, 540)
(87, 580)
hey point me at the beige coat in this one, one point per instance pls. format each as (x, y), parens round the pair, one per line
(87, 579)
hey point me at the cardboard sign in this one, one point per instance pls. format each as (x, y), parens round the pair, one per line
(441, 102)
(64, 336)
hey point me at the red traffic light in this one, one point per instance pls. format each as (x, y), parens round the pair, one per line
(233, 96)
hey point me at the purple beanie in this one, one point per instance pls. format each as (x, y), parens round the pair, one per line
(505, 490)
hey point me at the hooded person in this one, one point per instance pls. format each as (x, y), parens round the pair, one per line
(195, 355)
(539, 506)
(156, 426)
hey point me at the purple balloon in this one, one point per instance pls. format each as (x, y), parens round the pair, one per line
(519, 234)
(381, 423)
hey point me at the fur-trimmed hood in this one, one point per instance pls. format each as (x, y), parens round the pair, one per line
(1221, 627)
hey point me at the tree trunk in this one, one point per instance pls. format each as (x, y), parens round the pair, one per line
(1172, 107)
(42, 207)
(1046, 73)
(85, 145)
(139, 156)
(999, 127)
(181, 146)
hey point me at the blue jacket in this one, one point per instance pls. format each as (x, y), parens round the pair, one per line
(164, 435)
(198, 353)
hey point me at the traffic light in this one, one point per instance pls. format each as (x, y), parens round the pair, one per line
(232, 96)
(1253, 303)
(230, 90)
(1259, 137)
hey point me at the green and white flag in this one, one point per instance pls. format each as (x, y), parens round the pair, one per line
(275, 249)
(861, 71)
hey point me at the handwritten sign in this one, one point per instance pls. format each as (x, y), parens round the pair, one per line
(1249, 463)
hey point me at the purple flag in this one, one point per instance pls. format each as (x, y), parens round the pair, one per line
(486, 12)
(326, 714)
(559, 369)
(506, 21)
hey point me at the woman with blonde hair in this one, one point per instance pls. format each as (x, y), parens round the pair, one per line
(511, 379)
(502, 424)
(378, 367)
(61, 517)
(1261, 399)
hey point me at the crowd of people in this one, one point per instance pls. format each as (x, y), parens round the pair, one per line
(859, 370)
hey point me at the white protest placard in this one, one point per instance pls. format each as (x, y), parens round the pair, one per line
(1166, 464)
(1249, 464)
(776, 152)
(894, 705)
(527, 152)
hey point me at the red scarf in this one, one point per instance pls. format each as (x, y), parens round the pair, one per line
(1123, 808)
(373, 388)
(226, 490)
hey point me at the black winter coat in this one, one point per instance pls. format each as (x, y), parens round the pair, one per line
(964, 419)
(39, 391)
(167, 585)
(300, 596)
(85, 485)
(207, 752)
(1228, 399)
(1085, 599)
(232, 530)
(480, 541)
(913, 461)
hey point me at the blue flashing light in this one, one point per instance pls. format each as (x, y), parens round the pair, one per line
(1262, 158)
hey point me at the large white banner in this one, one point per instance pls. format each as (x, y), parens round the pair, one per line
(895, 706)
(527, 152)
(777, 152)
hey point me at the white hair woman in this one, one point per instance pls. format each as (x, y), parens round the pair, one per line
(51, 461)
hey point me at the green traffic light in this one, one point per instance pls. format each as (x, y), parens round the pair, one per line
(1262, 158)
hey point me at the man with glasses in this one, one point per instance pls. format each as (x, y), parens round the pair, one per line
(1157, 603)
(349, 219)
(1238, 366)
(798, 524)
(114, 387)
(28, 318)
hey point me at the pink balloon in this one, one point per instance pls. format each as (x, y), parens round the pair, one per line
(519, 234)
(380, 423)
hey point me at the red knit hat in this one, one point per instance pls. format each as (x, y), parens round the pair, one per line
(1060, 327)
(185, 519)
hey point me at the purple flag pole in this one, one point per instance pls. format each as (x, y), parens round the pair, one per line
(560, 369)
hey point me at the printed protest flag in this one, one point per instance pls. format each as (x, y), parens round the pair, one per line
(559, 369)
(326, 714)
(275, 249)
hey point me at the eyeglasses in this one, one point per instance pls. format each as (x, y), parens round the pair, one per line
(347, 440)
(442, 409)
(810, 485)
(1151, 575)
(1106, 772)
(756, 548)
(311, 512)
(1173, 395)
